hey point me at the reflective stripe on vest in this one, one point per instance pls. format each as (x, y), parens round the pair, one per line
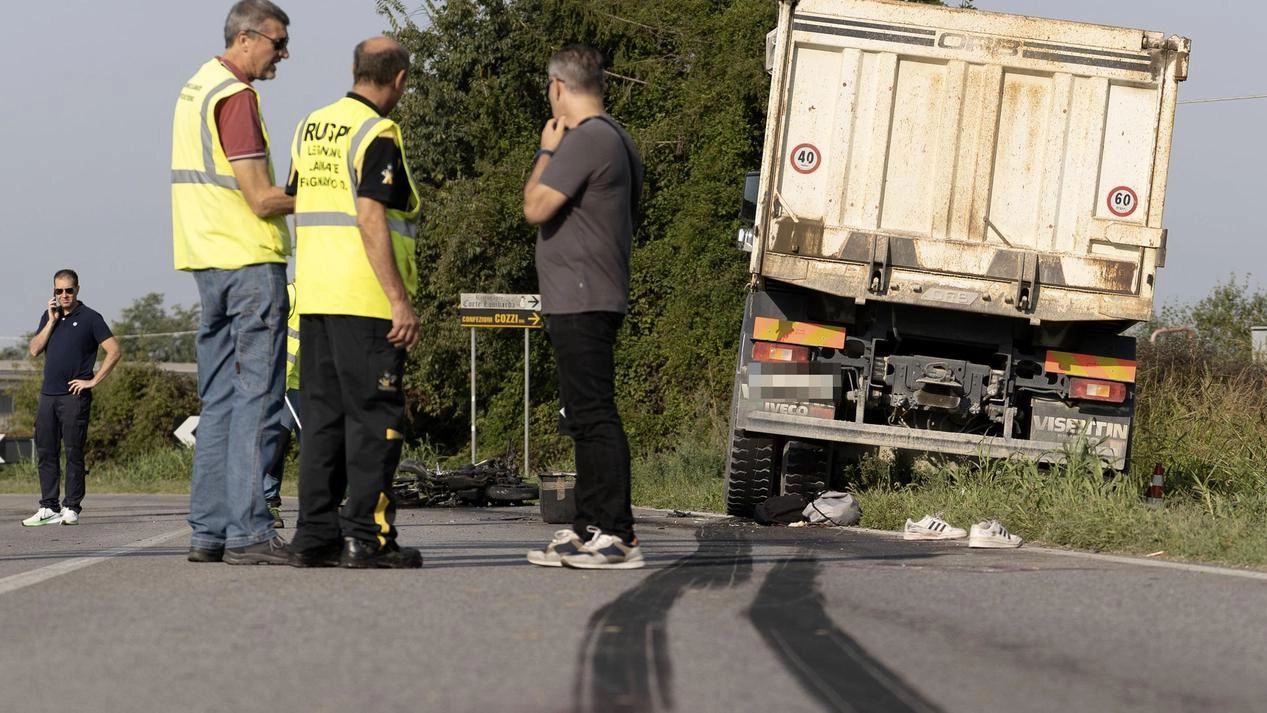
(208, 176)
(213, 226)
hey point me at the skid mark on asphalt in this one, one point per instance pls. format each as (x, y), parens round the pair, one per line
(624, 664)
(14, 582)
(791, 617)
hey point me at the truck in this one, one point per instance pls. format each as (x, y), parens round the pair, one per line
(957, 219)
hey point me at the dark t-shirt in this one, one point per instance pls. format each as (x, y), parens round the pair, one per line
(583, 251)
(71, 351)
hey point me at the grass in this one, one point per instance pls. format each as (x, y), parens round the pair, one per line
(1204, 419)
(163, 471)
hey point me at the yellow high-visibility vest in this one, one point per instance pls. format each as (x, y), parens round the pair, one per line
(212, 224)
(331, 267)
(292, 341)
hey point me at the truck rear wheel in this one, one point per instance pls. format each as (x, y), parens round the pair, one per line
(806, 469)
(751, 471)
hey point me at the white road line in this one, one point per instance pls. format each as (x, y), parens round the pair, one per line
(1164, 564)
(1225, 570)
(14, 582)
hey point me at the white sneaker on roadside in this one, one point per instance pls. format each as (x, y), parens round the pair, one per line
(932, 527)
(69, 517)
(992, 534)
(43, 516)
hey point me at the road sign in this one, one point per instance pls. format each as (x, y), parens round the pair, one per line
(478, 300)
(504, 319)
(185, 433)
(500, 311)
(505, 311)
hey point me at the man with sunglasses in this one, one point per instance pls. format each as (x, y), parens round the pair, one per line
(229, 231)
(583, 193)
(69, 335)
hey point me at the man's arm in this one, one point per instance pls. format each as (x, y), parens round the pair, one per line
(541, 202)
(40, 339)
(265, 199)
(113, 354)
(371, 220)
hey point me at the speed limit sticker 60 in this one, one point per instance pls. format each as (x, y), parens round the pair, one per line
(1122, 201)
(806, 158)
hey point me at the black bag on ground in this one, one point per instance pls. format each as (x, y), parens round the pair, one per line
(781, 510)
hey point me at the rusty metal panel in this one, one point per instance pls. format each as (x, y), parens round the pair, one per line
(974, 136)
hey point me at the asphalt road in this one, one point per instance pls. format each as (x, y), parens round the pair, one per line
(727, 616)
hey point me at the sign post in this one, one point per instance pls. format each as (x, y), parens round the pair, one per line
(500, 311)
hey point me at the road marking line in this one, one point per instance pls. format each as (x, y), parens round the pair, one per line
(1164, 564)
(15, 582)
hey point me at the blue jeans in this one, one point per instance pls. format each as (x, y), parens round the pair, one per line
(241, 379)
(274, 472)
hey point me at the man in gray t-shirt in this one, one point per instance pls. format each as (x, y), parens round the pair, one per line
(584, 192)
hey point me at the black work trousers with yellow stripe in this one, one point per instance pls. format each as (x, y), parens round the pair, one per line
(353, 406)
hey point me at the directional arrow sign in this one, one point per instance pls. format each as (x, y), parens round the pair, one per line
(499, 311)
(185, 434)
(497, 301)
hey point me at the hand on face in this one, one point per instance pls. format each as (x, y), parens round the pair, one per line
(552, 134)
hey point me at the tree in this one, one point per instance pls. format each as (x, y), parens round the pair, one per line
(1223, 319)
(148, 332)
(17, 351)
(687, 78)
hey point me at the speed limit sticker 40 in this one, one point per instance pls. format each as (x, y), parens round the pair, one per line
(806, 158)
(1122, 201)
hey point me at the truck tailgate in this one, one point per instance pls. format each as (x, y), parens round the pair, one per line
(969, 160)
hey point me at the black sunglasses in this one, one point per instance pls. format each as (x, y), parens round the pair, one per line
(64, 290)
(279, 44)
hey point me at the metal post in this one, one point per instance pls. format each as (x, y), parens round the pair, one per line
(526, 402)
(472, 394)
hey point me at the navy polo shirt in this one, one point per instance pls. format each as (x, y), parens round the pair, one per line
(71, 351)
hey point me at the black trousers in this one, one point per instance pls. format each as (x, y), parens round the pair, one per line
(62, 418)
(584, 350)
(353, 406)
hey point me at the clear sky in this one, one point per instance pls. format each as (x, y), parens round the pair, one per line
(89, 89)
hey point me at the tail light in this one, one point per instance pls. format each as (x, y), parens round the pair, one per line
(771, 351)
(1097, 390)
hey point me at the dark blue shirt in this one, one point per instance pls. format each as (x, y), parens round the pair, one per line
(71, 351)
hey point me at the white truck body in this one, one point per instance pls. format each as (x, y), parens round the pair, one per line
(986, 150)
(958, 213)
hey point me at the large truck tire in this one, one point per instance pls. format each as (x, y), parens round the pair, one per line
(806, 469)
(751, 471)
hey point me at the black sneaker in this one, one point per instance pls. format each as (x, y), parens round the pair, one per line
(324, 556)
(276, 512)
(200, 554)
(361, 554)
(274, 551)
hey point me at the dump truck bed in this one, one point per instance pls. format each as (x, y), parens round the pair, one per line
(962, 159)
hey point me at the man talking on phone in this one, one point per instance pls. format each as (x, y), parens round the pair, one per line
(69, 335)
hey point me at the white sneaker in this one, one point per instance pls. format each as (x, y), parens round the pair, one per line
(565, 542)
(605, 551)
(43, 516)
(69, 517)
(991, 533)
(932, 527)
